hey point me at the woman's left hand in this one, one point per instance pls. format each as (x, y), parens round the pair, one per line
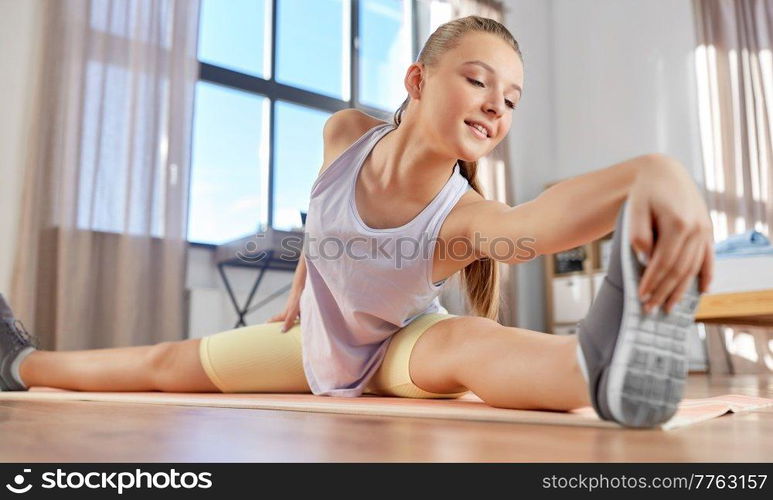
(671, 226)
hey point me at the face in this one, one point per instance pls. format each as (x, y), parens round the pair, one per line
(456, 92)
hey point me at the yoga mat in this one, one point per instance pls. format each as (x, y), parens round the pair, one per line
(468, 407)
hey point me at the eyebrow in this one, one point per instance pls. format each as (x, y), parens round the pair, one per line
(488, 67)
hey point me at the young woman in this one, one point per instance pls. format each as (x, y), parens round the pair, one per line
(370, 322)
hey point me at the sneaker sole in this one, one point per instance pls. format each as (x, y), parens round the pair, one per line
(648, 371)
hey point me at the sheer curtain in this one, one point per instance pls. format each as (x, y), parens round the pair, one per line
(102, 244)
(735, 78)
(493, 169)
(735, 75)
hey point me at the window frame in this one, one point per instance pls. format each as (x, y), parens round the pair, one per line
(273, 90)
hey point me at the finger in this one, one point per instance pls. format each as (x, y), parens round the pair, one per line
(288, 324)
(666, 251)
(678, 273)
(687, 279)
(641, 228)
(707, 267)
(289, 321)
(675, 275)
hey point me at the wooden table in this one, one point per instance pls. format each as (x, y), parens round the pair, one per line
(752, 308)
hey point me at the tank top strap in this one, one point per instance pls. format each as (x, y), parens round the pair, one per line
(363, 147)
(344, 166)
(453, 190)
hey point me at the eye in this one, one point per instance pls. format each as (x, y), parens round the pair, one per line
(508, 102)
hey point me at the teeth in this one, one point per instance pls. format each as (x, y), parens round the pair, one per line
(483, 130)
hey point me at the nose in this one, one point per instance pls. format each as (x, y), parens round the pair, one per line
(495, 107)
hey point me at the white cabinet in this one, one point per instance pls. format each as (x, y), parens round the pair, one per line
(571, 298)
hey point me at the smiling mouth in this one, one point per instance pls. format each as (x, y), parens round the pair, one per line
(478, 133)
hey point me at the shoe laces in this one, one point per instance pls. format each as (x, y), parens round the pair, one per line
(20, 335)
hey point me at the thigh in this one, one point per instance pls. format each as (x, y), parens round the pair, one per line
(393, 378)
(257, 358)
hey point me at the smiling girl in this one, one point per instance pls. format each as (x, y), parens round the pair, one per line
(371, 323)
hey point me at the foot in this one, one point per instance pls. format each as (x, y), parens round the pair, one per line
(636, 363)
(15, 345)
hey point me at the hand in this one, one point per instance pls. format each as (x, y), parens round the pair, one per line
(291, 311)
(668, 212)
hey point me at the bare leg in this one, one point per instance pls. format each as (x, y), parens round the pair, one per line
(506, 367)
(168, 367)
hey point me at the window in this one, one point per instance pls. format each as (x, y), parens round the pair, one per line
(227, 163)
(271, 73)
(384, 53)
(292, 185)
(233, 34)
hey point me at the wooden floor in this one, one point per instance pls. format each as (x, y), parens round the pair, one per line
(107, 432)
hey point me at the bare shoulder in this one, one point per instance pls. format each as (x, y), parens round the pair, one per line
(460, 220)
(466, 215)
(456, 234)
(348, 118)
(342, 129)
(471, 207)
(484, 223)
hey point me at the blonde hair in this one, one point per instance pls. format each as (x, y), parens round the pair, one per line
(480, 278)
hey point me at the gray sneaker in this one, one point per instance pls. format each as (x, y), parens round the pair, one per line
(636, 363)
(15, 345)
(5, 309)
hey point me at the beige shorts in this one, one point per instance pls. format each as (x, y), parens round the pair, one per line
(260, 358)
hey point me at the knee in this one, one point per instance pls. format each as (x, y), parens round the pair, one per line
(160, 362)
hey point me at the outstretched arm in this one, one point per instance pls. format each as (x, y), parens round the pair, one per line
(670, 225)
(568, 214)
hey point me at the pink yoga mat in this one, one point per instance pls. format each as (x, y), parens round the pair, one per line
(468, 407)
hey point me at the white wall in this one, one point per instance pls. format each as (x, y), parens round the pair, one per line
(605, 80)
(20, 44)
(532, 136)
(625, 82)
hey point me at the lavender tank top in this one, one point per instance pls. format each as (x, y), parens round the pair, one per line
(363, 284)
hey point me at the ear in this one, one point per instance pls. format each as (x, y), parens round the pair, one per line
(414, 79)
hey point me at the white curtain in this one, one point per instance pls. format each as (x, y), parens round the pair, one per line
(102, 244)
(735, 76)
(735, 87)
